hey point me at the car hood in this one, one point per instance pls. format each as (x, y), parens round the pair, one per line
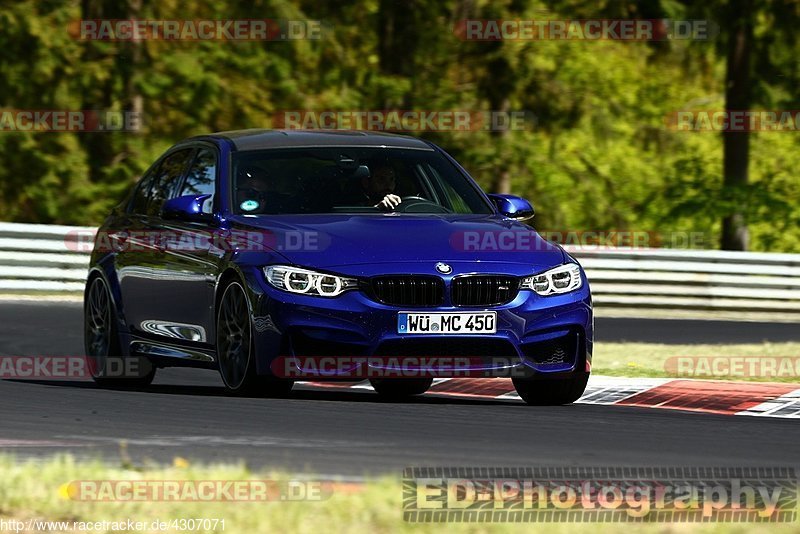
(417, 241)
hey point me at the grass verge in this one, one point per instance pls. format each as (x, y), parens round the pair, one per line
(34, 489)
(653, 360)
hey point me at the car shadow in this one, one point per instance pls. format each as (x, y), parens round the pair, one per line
(306, 393)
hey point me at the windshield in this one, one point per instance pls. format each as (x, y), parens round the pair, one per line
(351, 180)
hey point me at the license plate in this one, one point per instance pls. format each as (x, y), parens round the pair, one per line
(447, 323)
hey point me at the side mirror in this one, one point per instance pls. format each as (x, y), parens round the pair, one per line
(512, 206)
(186, 208)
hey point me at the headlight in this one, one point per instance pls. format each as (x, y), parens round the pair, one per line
(562, 279)
(305, 282)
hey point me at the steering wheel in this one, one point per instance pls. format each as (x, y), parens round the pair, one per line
(417, 204)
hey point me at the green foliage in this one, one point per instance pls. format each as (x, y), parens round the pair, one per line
(599, 156)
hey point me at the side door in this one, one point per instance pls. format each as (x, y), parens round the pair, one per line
(146, 278)
(133, 250)
(189, 270)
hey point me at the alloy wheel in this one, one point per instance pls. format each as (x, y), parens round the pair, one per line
(233, 336)
(98, 328)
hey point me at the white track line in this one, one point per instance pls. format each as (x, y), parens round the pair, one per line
(786, 406)
(610, 390)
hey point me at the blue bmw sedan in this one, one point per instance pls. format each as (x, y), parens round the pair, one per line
(277, 256)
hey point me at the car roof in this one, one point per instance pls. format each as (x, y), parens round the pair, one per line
(259, 139)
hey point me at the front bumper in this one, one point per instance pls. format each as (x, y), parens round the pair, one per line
(540, 336)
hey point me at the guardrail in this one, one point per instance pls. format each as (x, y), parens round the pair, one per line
(36, 258)
(693, 279)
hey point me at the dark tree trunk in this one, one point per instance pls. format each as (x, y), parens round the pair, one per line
(397, 44)
(130, 61)
(497, 86)
(99, 97)
(501, 180)
(736, 145)
(103, 153)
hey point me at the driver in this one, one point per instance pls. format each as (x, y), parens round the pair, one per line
(379, 188)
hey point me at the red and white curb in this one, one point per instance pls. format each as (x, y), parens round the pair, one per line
(760, 399)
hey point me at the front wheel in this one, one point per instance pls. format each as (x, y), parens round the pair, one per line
(101, 342)
(235, 348)
(398, 388)
(551, 392)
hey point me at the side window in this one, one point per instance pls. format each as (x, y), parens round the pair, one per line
(142, 194)
(166, 179)
(201, 178)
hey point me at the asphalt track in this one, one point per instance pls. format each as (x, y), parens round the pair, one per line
(354, 433)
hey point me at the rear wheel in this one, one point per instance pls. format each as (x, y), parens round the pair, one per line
(551, 392)
(235, 348)
(101, 342)
(399, 388)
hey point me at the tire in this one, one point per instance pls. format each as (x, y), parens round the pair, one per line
(101, 342)
(398, 388)
(551, 392)
(235, 348)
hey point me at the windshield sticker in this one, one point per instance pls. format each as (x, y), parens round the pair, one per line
(249, 205)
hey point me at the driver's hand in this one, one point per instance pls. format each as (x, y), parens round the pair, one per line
(389, 202)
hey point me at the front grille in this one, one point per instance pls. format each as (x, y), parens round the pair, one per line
(483, 290)
(409, 290)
